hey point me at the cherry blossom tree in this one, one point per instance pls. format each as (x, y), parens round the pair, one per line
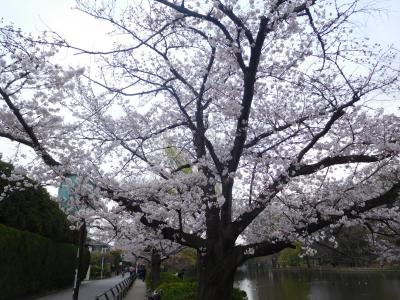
(147, 245)
(33, 90)
(268, 103)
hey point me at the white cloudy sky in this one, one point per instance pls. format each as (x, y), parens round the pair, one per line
(58, 15)
(32, 15)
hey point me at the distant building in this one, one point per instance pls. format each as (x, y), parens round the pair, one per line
(94, 245)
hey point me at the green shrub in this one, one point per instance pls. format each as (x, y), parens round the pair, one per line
(289, 257)
(239, 294)
(174, 288)
(33, 210)
(95, 271)
(165, 278)
(97, 259)
(184, 290)
(31, 263)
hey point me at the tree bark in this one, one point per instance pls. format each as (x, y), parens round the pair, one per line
(216, 275)
(155, 269)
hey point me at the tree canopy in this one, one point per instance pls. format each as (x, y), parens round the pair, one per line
(267, 102)
(29, 207)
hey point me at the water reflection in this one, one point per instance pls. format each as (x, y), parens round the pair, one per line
(318, 285)
(246, 285)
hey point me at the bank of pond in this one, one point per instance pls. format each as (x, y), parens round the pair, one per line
(318, 284)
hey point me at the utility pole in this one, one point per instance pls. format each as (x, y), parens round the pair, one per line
(79, 260)
(102, 263)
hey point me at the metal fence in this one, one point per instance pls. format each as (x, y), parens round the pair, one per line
(118, 291)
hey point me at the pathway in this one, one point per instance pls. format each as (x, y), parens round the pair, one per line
(88, 290)
(137, 291)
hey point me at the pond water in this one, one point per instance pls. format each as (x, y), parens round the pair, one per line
(319, 285)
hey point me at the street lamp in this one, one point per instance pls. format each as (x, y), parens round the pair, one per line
(79, 260)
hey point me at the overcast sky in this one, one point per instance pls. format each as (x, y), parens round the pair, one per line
(33, 15)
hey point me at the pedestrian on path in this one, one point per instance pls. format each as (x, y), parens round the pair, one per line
(142, 272)
(131, 271)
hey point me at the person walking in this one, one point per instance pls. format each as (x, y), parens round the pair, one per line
(141, 272)
(123, 272)
(144, 273)
(131, 271)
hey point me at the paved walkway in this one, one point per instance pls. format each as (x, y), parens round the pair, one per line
(137, 291)
(88, 290)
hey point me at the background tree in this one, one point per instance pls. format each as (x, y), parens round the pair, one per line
(147, 245)
(268, 101)
(291, 257)
(28, 206)
(105, 264)
(348, 247)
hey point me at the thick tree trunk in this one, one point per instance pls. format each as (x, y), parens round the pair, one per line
(155, 269)
(215, 276)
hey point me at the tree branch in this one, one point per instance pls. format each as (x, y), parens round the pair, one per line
(209, 18)
(35, 144)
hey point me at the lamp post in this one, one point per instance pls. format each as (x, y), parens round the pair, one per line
(79, 260)
(102, 263)
(65, 193)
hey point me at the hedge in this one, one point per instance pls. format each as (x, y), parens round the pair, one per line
(31, 264)
(175, 288)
